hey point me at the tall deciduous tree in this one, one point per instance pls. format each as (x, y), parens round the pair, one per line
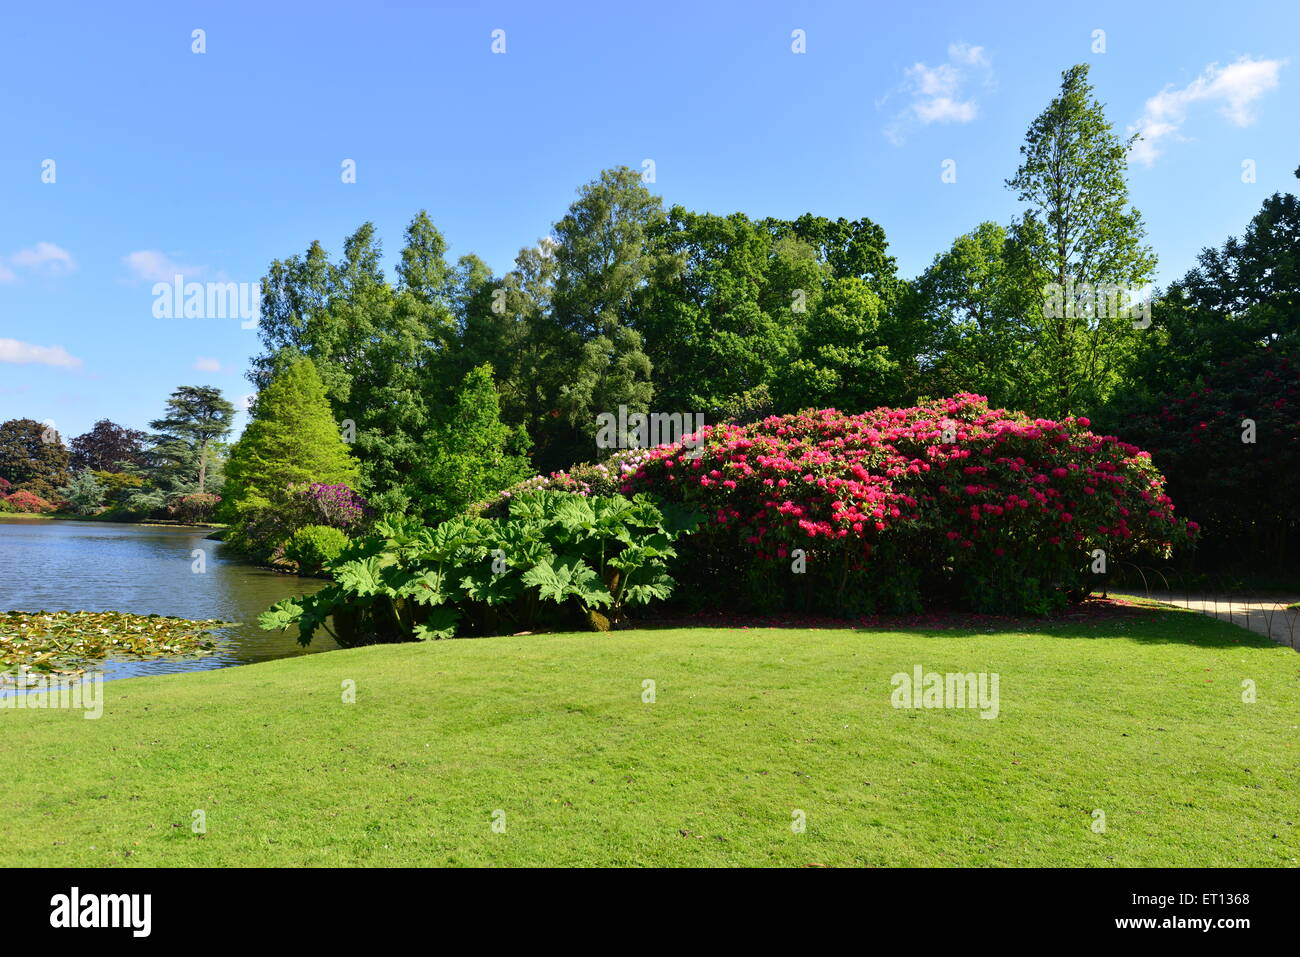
(1081, 232)
(597, 360)
(33, 457)
(977, 301)
(721, 313)
(292, 440)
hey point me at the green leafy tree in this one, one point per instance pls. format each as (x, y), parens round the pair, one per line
(1215, 392)
(382, 351)
(118, 486)
(292, 439)
(198, 417)
(1240, 298)
(33, 457)
(844, 361)
(719, 314)
(472, 454)
(594, 359)
(1081, 232)
(975, 302)
(740, 314)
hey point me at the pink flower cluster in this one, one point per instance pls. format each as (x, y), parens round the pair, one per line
(952, 470)
(25, 501)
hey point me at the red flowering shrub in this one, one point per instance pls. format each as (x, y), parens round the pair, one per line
(948, 502)
(25, 501)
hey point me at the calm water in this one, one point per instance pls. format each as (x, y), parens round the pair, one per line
(96, 566)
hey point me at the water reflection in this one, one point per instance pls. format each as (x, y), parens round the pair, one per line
(56, 565)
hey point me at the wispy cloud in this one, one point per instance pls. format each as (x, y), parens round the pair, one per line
(1233, 88)
(940, 94)
(24, 353)
(43, 258)
(156, 266)
(204, 364)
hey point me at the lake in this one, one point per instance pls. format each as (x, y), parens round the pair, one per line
(52, 565)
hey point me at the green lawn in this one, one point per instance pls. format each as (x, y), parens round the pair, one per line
(1140, 718)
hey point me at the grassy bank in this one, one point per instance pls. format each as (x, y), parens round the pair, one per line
(1141, 718)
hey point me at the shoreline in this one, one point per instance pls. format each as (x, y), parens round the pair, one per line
(64, 517)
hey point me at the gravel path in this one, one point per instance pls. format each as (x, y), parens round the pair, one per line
(1266, 616)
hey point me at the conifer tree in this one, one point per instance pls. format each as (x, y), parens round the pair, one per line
(293, 439)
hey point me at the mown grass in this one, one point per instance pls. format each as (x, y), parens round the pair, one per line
(1141, 718)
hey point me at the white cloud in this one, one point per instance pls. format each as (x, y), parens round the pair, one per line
(156, 266)
(42, 258)
(943, 109)
(204, 364)
(939, 93)
(24, 353)
(967, 54)
(1234, 88)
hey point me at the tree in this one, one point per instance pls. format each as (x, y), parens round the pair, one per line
(1082, 233)
(1239, 299)
(197, 417)
(796, 310)
(1214, 394)
(843, 359)
(720, 313)
(473, 454)
(292, 440)
(595, 359)
(84, 495)
(381, 351)
(108, 447)
(33, 457)
(975, 301)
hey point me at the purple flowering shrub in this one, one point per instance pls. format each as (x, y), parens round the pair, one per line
(261, 531)
(337, 506)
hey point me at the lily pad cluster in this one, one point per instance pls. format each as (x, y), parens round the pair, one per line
(65, 642)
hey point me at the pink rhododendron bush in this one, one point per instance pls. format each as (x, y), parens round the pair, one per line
(25, 501)
(949, 503)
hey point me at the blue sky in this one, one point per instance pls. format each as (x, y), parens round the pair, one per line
(214, 164)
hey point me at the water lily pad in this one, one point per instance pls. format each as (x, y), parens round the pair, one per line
(65, 642)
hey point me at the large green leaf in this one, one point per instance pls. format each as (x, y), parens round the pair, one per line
(441, 623)
(364, 577)
(281, 615)
(425, 587)
(556, 581)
